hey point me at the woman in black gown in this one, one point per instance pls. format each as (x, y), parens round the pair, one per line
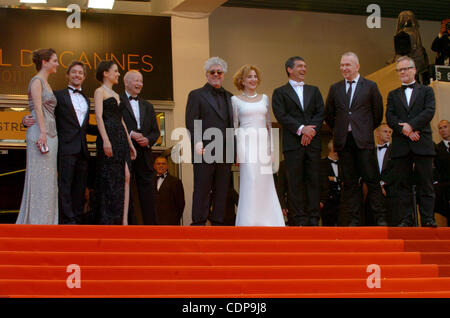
(114, 150)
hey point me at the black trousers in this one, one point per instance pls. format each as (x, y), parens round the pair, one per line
(303, 175)
(418, 170)
(356, 163)
(211, 181)
(72, 182)
(143, 176)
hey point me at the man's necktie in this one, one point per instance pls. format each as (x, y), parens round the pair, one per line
(131, 98)
(382, 147)
(349, 93)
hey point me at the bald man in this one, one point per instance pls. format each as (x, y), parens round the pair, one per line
(442, 175)
(139, 116)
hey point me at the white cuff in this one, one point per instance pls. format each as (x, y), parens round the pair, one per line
(299, 130)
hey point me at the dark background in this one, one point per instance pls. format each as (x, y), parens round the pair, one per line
(102, 34)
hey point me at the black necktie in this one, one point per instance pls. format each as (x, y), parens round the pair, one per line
(409, 86)
(161, 176)
(349, 93)
(74, 90)
(218, 91)
(382, 147)
(131, 98)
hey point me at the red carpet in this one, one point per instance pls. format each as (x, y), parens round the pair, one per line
(198, 262)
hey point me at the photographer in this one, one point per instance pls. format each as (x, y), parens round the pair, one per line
(441, 44)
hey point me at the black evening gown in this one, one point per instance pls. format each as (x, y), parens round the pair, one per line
(110, 176)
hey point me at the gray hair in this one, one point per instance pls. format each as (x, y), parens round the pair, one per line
(216, 61)
(406, 58)
(353, 55)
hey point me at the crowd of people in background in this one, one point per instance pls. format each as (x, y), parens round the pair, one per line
(375, 173)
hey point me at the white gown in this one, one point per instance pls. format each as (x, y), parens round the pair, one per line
(258, 201)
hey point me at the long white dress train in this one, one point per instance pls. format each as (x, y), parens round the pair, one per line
(258, 201)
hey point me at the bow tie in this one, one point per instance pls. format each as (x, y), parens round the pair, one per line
(133, 98)
(382, 147)
(218, 91)
(298, 84)
(161, 176)
(74, 90)
(409, 86)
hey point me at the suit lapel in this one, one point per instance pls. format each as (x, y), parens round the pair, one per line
(402, 96)
(414, 94)
(359, 87)
(69, 104)
(86, 118)
(293, 95)
(128, 107)
(211, 100)
(387, 156)
(306, 96)
(141, 113)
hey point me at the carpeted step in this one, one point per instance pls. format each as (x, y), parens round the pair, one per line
(209, 259)
(208, 245)
(216, 272)
(224, 287)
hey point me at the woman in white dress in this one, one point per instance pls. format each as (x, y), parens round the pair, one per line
(258, 201)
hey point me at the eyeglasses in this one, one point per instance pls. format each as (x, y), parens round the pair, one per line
(404, 69)
(212, 72)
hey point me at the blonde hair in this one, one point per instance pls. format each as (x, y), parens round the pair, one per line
(238, 78)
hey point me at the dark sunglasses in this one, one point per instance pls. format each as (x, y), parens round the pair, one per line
(212, 72)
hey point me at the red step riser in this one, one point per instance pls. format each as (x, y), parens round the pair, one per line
(206, 259)
(216, 272)
(223, 286)
(146, 245)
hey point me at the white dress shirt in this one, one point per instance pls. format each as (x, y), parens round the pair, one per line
(347, 86)
(135, 107)
(298, 88)
(160, 181)
(334, 165)
(79, 104)
(380, 155)
(447, 144)
(408, 92)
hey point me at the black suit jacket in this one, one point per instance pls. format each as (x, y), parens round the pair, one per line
(329, 189)
(364, 115)
(418, 114)
(289, 113)
(442, 164)
(71, 136)
(169, 201)
(387, 171)
(202, 105)
(149, 126)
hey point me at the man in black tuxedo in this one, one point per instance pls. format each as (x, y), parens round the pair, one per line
(410, 109)
(140, 119)
(72, 122)
(209, 108)
(383, 150)
(299, 109)
(330, 197)
(442, 168)
(354, 108)
(169, 195)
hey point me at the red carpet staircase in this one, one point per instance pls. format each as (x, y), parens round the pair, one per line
(226, 262)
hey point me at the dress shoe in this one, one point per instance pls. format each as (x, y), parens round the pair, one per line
(430, 223)
(382, 222)
(403, 224)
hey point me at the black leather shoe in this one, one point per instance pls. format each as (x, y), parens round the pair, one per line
(430, 223)
(403, 224)
(382, 222)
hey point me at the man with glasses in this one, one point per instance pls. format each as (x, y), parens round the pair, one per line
(410, 109)
(208, 116)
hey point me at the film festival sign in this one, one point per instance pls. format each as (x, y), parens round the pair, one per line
(134, 42)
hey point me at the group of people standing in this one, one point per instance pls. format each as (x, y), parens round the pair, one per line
(57, 151)
(353, 110)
